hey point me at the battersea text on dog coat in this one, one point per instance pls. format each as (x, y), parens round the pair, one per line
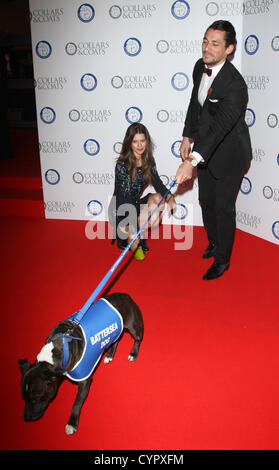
(101, 326)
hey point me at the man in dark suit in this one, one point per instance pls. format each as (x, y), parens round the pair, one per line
(216, 140)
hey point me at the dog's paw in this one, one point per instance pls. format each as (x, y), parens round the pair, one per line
(107, 360)
(131, 357)
(70, 429)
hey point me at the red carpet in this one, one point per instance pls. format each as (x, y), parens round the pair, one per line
(207, 375)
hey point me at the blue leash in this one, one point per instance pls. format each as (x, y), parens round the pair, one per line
(105, 279)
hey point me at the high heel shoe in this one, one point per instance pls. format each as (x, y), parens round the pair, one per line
(143, 244)
(121, 243)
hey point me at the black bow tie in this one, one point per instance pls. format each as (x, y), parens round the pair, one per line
(208, 71)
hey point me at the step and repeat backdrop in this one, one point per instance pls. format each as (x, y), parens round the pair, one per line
(101, 65)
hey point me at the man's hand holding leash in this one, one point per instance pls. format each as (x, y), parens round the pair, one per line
(185, 169)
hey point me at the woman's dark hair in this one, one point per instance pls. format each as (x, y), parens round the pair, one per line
(128, 157)
(230, 35)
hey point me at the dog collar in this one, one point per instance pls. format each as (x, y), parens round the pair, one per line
(66, 338)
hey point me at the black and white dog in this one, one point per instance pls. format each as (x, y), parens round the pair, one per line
(68, 352)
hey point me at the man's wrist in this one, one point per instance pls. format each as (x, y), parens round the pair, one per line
(197, 156)
(192, 160)
(189, 139)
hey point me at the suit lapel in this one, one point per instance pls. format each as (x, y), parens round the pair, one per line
(198, 79)
(218, 81)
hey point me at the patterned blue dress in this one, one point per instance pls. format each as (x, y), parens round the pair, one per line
(128, 192)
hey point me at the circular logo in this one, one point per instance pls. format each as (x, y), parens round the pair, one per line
(180, 81)
(71, 48)
(250, 117)
(74, 115)
(132, 47)
(212, 9)
(52, 176)
(91, 147)
(117, 147)
(181, 212)
(275, 229)
(88, 81)
(86, 13)
(251, 44)
(175, 148)
(163, 115)
(115, 12)
(162, 46)
(267, 192)
(95, 207)
(180, 9)
(246, 185)
(133, 114)
(272, 120)
(47, 115)
(165, 179)
(117, 81)
(275, 43)
(43, 49)
(78, 177)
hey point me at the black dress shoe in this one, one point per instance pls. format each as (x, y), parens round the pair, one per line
(143, 244)
(215, 270)
(209, 251)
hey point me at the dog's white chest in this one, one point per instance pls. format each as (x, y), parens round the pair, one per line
(45, 355)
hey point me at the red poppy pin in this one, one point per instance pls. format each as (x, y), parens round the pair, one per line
(209, 91)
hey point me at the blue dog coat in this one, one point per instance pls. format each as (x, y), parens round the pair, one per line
(101, 326)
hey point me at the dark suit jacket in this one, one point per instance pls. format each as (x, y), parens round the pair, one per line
(218, 128)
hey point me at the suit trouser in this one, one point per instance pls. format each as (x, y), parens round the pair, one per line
(217, 198)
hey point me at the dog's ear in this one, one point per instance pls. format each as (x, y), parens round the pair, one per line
(24, 365)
